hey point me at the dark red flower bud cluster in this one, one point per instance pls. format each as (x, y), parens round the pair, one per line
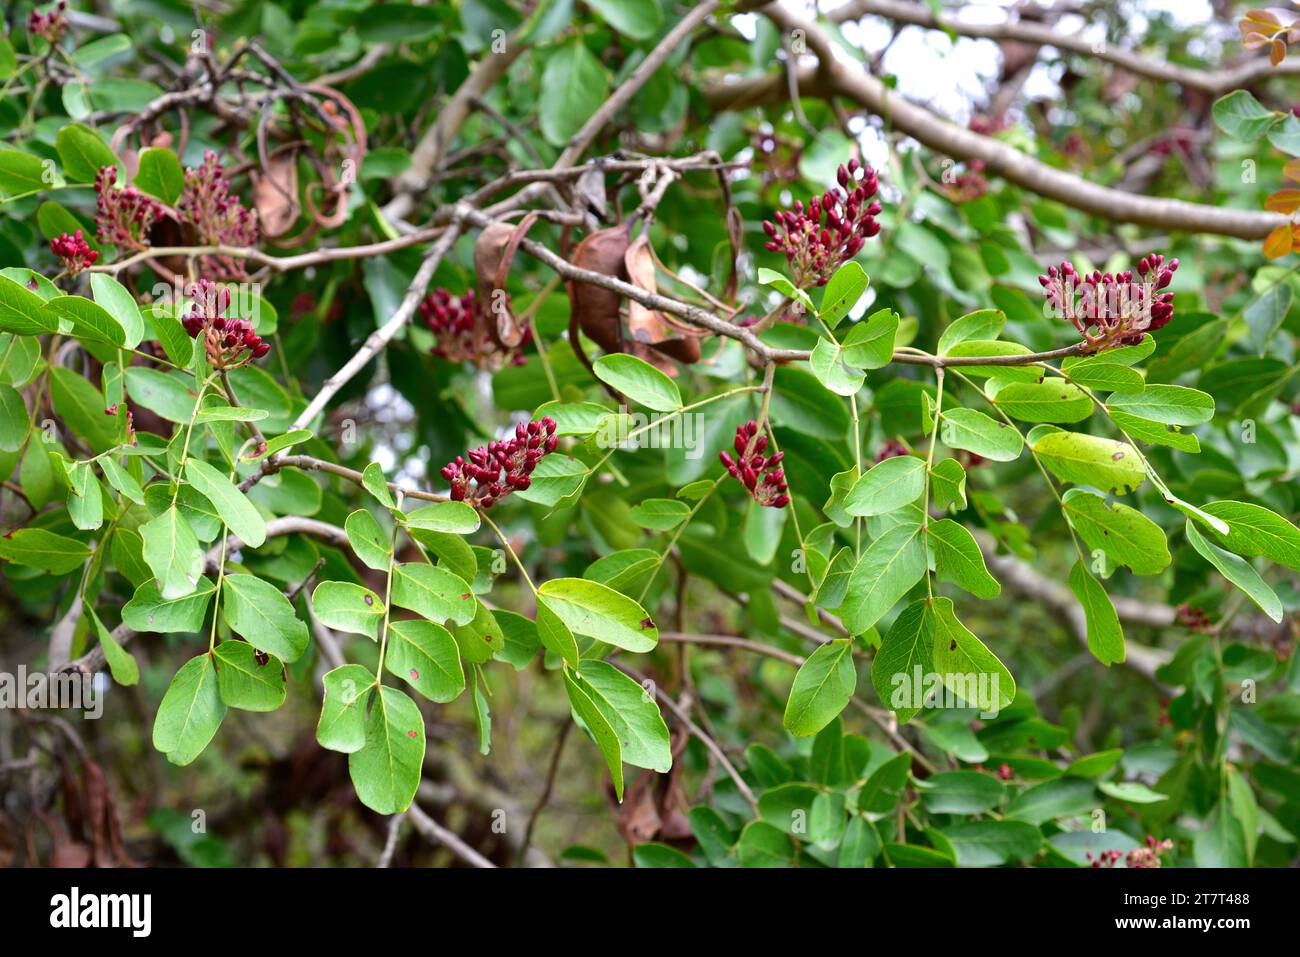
(1139, 858)
(820, 237)
(891, 449)
(50, 25)
(74, 251)
(124, 216)
(762, 475)
(1193, 619)
(217, 215)
(1112, 309)
(230, 342)
(462, 332)
(495, 470)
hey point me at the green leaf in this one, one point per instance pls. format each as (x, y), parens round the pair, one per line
(762, 532)
(231, 504)
(1052, 400)
(172, 553)
(991, 348)
(342, 724)
(346, 606)
(190, 713)
(481, 638)
(885, 573)
(660, 514)
(1238, 571)
(425, 656)
(638, 19)
(1223, 842)
(576, 85)
(368, 540)
(1063, 797)
(230, 413)
(962, 792)
(89, 320)
(800, 403)
(160, 174)
(970, 671)
(556, 477)
(1089, 460)
(385, 771)
(1105, 634)
(555, 636)
(1242, 116)
(597, 611)
(885, 785)
(822, 688)
(870, 344)
(82, 153)
(121, 664)
(982, 324)
(22, 312)
(639, 381)
(433, 592)
(1155, 433)
(1126, 535)
(1254, 530)
(908, 645)
(652, 854)
(1170, 404)
(244, 681)
(377, 485)
(632, 713)
(14, 419)
(992, 843)
(259, 612)
(958, 559)
(827, 363)
(120, 304)
(976, 432)
(170, 396)
(1131, 792)
(1108, 377)
(887, 486)
(601, 731)
(453, 517)
(948, 485)
(148, 611)
(843, 290)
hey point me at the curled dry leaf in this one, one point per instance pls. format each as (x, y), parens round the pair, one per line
(645, 325)
(494, 250)
(275, 192)
(1280, 242)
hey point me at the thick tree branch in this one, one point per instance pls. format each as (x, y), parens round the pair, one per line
(1214, 83)
(834, 77)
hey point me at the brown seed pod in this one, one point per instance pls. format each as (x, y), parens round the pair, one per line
(595, 310)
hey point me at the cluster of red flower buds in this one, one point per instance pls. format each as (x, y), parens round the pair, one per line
(462, 334)
(820, 237)
(500, 467)
(50, 25)
(1112, 309)
(1193, 619)
(74, 251)
(124, 216)
(1139, 858)
(762, 475)
(891, 449)
(230, 342)
(217, 215)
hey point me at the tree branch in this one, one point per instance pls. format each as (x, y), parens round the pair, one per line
(833, 77)
(1214, 83)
